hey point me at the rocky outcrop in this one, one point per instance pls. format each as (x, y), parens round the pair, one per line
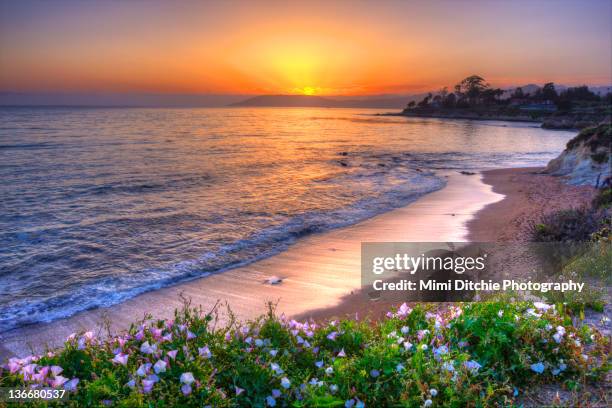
(586, 159)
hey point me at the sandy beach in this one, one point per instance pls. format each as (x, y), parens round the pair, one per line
(321, 273)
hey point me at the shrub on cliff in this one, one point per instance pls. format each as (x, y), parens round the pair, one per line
(478, 354)
(566, 225)
(603, 198)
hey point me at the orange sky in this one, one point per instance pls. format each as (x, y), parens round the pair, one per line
(339, 48)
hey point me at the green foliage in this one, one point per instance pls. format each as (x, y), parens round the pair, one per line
(566, 225)
(473, 355)
(603, 198)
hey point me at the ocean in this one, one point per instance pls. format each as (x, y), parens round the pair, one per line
(98, 205)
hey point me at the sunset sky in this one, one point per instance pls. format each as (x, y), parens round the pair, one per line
(326, 48)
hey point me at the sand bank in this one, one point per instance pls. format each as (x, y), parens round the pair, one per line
(321, 273)
(318, 272)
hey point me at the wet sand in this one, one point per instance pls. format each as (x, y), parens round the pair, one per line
(527, 195)
(320, 273)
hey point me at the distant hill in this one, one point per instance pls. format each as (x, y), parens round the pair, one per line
(322, 102)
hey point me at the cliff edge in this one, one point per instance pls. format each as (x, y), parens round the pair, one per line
(586, 159)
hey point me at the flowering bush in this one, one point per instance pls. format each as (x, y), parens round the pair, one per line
(478, 354)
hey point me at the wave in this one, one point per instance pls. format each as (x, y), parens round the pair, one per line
(110, 290)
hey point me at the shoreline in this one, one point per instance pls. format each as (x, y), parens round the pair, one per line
(493, 205)
(469, 117)
(327, 263)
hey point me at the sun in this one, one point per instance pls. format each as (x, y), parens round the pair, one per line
(306, 90)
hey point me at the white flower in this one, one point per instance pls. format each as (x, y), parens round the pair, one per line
(273, 353)
(541, 306)
(428, 403)
(120, 358)
(146, 348)
(424, 347)
(276, 368)
(285, 383)
(143, 369)
(558, 337)
(160, 366)
(187, 378)
(329, 370)
(433, 392)
(333, 388)
(405, 329)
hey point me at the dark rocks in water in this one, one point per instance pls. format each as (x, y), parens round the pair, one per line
(343, 153)
(467, 173)
(381, 164)
(343, 163)
(419, 170)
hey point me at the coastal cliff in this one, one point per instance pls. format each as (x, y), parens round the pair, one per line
(586, 159)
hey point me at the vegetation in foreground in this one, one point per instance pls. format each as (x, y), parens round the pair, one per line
(479, 354)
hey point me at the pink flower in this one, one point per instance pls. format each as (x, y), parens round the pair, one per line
(58, 381)
(403, 311)
(40, 377)
(186, 389)
(156, 332)
(120, 358)
(89, 335)
(28, 371)
(190, 335)
(239, 390)
(332, 336)
(167, 337)
(139, 336)
(14, 365)
(147, 386)
(172, 354)
(204, 352)
(341, 353)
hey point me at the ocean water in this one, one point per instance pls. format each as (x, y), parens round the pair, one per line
(98, 205)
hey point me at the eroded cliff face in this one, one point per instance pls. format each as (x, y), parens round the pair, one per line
(586, 159)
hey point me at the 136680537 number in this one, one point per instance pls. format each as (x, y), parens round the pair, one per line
(16, 394)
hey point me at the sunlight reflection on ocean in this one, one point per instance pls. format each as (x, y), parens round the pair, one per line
(99, 205)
